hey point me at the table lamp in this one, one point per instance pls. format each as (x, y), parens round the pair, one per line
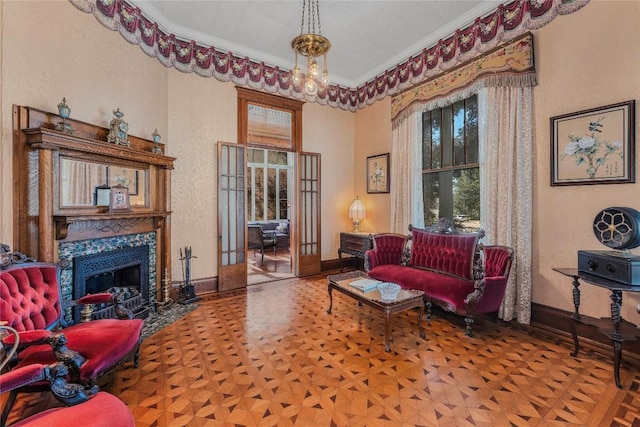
(357, 213)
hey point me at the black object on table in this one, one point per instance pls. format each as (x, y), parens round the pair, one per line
(617, 329)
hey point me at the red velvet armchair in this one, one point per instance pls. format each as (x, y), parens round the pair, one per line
(30, 302)
(86, 407)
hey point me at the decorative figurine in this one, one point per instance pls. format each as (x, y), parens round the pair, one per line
(156, 141)
(118, 130)
(64, 111)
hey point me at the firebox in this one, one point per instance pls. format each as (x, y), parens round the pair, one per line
(124, 272)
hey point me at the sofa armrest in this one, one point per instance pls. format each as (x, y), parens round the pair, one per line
(387, 249)
(372, 259)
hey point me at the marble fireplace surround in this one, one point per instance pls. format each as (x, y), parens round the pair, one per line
(68, 251)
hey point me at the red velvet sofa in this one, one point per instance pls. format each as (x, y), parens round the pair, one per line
(447, 265)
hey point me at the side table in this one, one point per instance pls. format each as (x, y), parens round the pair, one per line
(617, 329)
(354, 243)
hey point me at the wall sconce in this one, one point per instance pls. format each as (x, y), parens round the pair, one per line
(357, 213)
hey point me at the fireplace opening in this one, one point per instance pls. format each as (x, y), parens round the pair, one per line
(124, 272)
(128, 277)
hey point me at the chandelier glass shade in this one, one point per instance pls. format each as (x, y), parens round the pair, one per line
(311, 45)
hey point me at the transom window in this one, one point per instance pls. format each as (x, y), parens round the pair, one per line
(450, 168)
(268, 176)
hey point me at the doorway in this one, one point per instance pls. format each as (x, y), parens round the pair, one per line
(270, 199)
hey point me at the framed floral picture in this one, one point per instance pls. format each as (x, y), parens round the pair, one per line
(378, 178)
(595, 146)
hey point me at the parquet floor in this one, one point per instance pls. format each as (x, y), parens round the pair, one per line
(272, 356)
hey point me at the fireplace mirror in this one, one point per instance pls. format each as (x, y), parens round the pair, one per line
(81, 182)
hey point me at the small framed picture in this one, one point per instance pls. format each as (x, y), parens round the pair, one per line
(594, 146)
(378, 178)
(119, 199)
(102, 195)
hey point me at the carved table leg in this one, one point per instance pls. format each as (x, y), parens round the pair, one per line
(387, 346)
(576, 316)
(574, 334)
(330, 289)
(616, 318)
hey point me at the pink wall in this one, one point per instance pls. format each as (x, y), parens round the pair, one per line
(588, 59)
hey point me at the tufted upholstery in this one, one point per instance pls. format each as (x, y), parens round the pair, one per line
(387, 249)
(497, 261)
(30, 297)
(448, 253)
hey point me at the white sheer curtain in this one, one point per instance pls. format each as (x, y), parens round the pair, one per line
(79, 180)
(506, 137)
(407, 206)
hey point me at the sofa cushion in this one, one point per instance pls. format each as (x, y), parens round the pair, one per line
(442, 287)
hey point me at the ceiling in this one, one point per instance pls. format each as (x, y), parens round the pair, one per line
(367, 37)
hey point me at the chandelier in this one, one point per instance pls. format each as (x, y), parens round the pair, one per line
(312, 46)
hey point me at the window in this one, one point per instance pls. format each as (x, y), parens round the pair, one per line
(267, 176)
(450, 169)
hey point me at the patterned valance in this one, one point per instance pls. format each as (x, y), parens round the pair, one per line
(508, 65)
(505, 23)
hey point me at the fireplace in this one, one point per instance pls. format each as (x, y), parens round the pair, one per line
(124, 272)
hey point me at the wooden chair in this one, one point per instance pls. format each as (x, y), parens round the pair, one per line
(31, 303)
(258, 240)
(85, 407)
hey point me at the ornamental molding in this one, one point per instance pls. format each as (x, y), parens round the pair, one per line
(505, 23)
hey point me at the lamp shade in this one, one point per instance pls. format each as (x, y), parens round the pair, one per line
(357, 212)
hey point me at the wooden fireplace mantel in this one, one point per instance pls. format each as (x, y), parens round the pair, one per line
(42, 221)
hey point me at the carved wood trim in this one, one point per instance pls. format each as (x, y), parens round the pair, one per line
(54, 140)
(40, 223)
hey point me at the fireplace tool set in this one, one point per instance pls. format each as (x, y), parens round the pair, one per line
(187, 290)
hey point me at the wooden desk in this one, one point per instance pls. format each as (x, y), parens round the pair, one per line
(617, 329)
(354, 243)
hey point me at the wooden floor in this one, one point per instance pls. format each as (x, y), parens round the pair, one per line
(273, 267)
(272, 356)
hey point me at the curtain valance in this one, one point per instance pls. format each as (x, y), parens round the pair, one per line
(509, 65)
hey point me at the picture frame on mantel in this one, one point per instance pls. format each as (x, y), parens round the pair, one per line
(119, 199)
(595, 146)
(378, 178)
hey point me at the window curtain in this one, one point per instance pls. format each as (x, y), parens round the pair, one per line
(503, 79)
(505, 137)
(407, 206)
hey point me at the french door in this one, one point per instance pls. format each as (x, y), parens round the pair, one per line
(308, 204)
(232, 224)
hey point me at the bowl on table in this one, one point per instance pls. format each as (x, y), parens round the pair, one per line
(389, 291)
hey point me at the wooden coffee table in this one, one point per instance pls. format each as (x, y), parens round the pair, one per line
(406, 299)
